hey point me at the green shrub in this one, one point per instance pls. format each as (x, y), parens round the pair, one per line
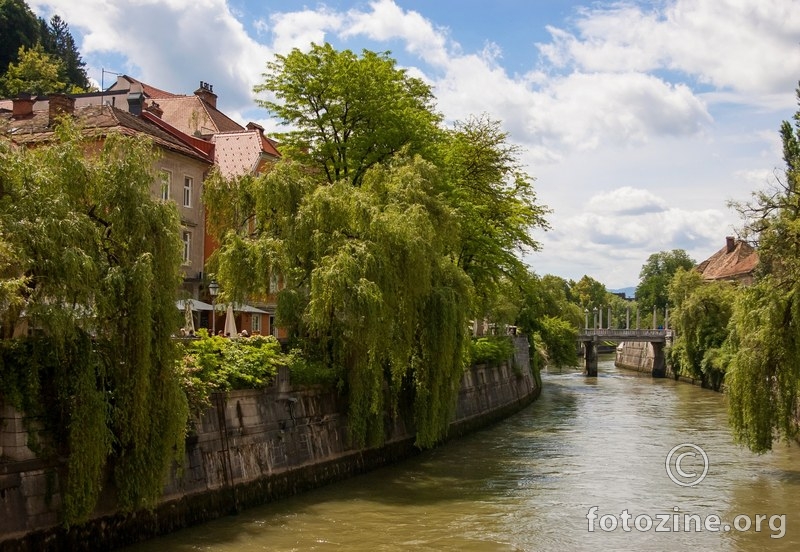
(492, 350)
(214, 363)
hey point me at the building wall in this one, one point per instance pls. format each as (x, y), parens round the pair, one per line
(249, 448)
(192, 217)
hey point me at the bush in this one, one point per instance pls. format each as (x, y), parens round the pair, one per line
(214, 363)
(492, 350)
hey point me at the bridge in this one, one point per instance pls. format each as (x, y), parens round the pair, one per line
(589, 339)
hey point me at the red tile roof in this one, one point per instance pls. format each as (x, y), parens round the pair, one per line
(99, 120)
(736, 261)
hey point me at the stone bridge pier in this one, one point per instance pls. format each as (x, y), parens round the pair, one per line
(590, 357)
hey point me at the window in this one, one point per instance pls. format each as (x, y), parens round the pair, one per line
(272, 329)
(187, 247)
(273, 283)
(166, 184)
(256, 323)
(187, 191)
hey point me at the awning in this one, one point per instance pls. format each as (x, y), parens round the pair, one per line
(195, 304)
(243, 308)
(198, 305)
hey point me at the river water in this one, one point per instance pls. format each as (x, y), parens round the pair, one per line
(529, 483)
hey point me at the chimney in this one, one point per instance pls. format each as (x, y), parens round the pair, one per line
(206, 93)
(59, 104)
(135, 99)
(23, 106)
(730, 243)
(155, 109)
(255, 126)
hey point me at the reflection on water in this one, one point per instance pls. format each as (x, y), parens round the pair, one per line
(528, 483)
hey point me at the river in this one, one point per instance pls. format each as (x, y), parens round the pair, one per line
(530, 482)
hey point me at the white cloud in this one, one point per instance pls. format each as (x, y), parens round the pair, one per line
(737, 45)
(627, 201)
(300, 29)
(386, 21)
(171, 44)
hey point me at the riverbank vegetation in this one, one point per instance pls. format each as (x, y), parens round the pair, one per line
(90, 262)
(747, 337)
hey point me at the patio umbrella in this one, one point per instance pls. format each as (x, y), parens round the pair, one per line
(187, 314)
(230, 322)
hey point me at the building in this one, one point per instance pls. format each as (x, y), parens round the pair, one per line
(736, 262)
(181, 167)
(234, 149)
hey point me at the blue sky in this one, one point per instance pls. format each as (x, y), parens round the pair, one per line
(639, 120)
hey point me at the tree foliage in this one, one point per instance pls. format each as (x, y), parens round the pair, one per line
(701, 313)
(764, 374)
(384, 229)
(29, 44)
(36, 72)
(655, 276)
(91, 262)
(494, 202)
(348, 113)
(20, 28)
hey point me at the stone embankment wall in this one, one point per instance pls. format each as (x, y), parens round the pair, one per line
(251, 447)
(639, 357)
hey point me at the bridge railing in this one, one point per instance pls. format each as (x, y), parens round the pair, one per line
(621, 333)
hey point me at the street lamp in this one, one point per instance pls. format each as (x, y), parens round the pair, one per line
(594, 310)
(213, 290)
(586, 318)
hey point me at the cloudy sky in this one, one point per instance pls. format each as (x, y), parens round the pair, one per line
(639, 120)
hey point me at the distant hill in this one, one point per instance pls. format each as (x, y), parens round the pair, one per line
(630, 292)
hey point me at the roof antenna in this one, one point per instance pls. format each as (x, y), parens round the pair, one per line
(103, 72)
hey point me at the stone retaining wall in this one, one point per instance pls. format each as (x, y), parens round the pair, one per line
(251, 447)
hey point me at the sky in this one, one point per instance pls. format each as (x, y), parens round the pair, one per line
(640, 121)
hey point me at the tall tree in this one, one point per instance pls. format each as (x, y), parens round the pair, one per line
(19, 28)
(764, 374)
(655, 276)
(347, 112)
(60, 43)
(494, 201)
(366, 226)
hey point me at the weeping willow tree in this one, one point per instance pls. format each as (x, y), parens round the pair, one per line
(763, 377)
(368, 285)
(365, 219)
(92, 262)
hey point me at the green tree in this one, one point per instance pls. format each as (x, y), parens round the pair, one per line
(20, 29)
(701, 313)
(367, 226)
(99, 259)
(764, 374)
(36, 72)
(369, 287)
(348, 113)
(589, 293)
(655, 276)
(58, 42)
(494, 202)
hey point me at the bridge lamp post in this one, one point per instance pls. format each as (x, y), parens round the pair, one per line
(609, 317)
(586, 318)
(594, 310)
(627, 317)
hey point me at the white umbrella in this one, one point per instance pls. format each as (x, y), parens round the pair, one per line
(230, 322)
